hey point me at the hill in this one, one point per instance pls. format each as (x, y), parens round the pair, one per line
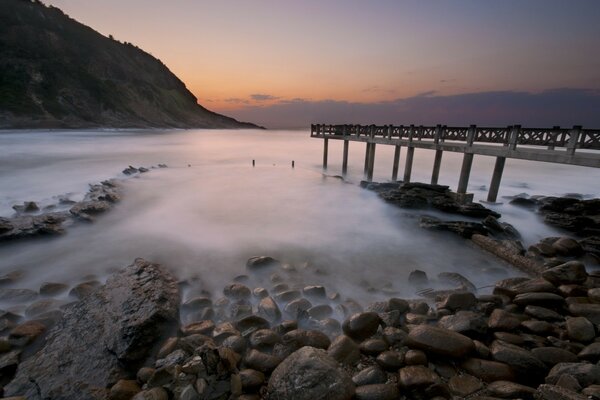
(58, 73)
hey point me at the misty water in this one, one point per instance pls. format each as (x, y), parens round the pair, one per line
(210, 210)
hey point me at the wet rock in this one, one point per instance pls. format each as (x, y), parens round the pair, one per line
(522, 361)
(415, 357)
(320, 312)
(418, 278)
(40, 307)
(553, 355)
(259, 263)
(11, 278)
(205, 327)
(510, 390)
(251, 323)
(156, 393)
(13, 296)
(538, 327)
(344, 350)
(264, 338)
(417, 376)
(315, 292)
(8, 365)
(543, 313)
(586, 374)
(568, 247)
(25, 226)
(196, 303)
(124, 390)
(465, 229)
(235, 343)
(260, 361)
(439, 341)
(127, 316)
(361, 326)
(590, 353)
(251, 379)
(53, 288)
(373, 346)
(380, 391)
(502, 320)
(552, 392)
(488, 371)
(144, 374)
(464, 385)
(572, 272)
(237, 291)
(224, 330)
(26, 333)
(268, 309)
(288, 296)
(310, 374)
(465, 322)
(539, 299)
(260, 292)
(459, 301)
(84, 289)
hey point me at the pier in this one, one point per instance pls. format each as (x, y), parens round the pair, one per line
(574, 146)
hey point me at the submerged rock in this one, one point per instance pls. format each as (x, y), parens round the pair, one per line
(107, 332)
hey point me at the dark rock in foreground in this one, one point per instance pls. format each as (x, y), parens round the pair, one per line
(109, 332)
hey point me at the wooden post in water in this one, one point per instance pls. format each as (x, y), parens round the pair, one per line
(496, 178)
(345, 159)
(396, 163)
(465, 170)
(325, 146)
(410, 151)
(367, 155)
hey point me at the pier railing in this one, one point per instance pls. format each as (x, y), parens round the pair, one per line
(556, 145)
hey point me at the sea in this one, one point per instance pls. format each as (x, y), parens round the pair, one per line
(228, 195)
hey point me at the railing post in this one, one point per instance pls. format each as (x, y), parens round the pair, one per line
(573, 139)
(438, 134)
(471, 135)
(553, 135)
(514, 137)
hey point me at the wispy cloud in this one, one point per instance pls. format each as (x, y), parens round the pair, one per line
(263, 97)
(236, 100)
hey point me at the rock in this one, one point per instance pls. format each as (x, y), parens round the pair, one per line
(133, 311)
(589, 311)
(486, 370)
(299, 338)
(568, 247)
(539, 327)
(205, 327)
(260, 361)
(395, 304)
(380, 391)
(553, 355)
(590, 353)
(418, 278)
(26, 332)
(373, 346)
(263, 338)
(25, 226)
(580, 329)
(320, 312)
(84, 289)
(361, 326)
(463, 228)
(8, 365)
(156, 393)
(522, 361)
(53, 288)
(13, 296)
(586, 374)
(369, 376)
(315, 292)
(552, 392)
(124, 390)
(510, 390)
(40, 307)
(391, 360)
(539, 299)
(543, 313)
(464, 385)
(310, 374)
(295, 308)
(459, 301)
(502, 320)
(251, 378)
(237, 291)
(259, 263)
(592, 391)
(439, 341)
(344, 350)
(417, 376)
(247, 325)
(572, 272)
(465, 322)
(268, 309)
(11, 278)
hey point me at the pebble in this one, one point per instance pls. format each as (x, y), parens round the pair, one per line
(361, 326)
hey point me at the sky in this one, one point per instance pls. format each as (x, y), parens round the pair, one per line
(284, 63)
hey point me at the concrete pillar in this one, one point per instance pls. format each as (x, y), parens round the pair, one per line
(367, 155)
(325, 146)
(396, 163)
(572, 144)
(371, 163)
(345, 159)
(410, 151)
(437, 162)
(496, 178)
(465, 171)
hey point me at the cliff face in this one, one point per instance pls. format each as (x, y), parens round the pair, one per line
(58, 73)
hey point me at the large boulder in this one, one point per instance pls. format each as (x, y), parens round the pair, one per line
(310, 374)
(100, 337)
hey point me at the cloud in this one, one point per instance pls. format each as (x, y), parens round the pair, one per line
(565, 107)
(262, 97)
(236, 100)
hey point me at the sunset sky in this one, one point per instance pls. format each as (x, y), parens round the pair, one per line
(263, 59)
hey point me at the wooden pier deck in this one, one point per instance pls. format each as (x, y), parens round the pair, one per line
(575, 146)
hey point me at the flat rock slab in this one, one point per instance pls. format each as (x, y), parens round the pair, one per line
(111, 329)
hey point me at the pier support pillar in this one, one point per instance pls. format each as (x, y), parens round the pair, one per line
(396, 163)
(371, 163)
(496, 177)
(465, 171)
(325, 148)
(437, 162)
(345, 159)
(410, 151)
(367, 155)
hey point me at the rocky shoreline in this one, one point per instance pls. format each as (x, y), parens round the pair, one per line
(532, 338)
